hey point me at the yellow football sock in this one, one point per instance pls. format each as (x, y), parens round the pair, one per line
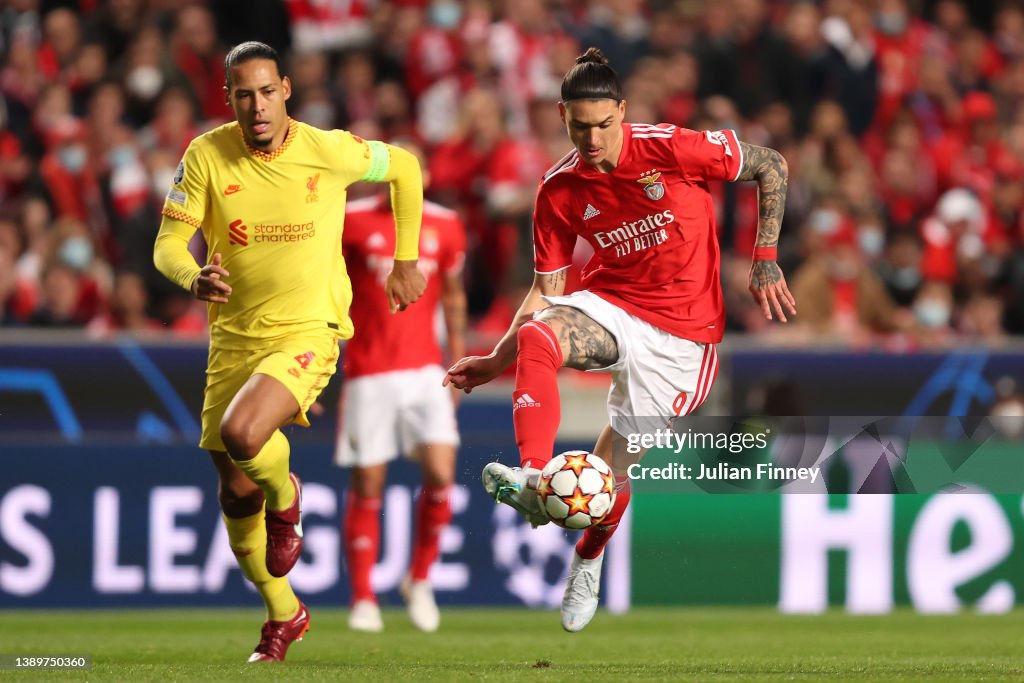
(270, 470)
(248, 537)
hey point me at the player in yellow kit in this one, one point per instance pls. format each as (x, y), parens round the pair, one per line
(268, 193)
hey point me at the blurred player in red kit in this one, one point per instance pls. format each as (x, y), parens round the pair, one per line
(651, 310)
(392, 400)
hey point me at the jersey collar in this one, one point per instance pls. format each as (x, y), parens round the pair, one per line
(293, 128)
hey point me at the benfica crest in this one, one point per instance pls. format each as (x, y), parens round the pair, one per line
(652, 187)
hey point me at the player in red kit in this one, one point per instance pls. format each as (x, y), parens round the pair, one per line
(392, 400)
(651, 310)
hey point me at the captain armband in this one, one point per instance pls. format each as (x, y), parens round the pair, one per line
(380, 162)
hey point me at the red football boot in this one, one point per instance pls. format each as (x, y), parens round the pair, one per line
(284, 534)
(276, 636)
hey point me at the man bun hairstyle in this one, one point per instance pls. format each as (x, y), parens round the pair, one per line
(591, 79)
(250, 49)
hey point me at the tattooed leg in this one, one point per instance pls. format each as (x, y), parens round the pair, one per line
(585, 344)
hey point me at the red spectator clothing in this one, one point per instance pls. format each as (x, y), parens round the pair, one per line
(23, 300)
(467, 173)
(651, 223)
(166, 137)
(960, 163)
(206, 74)
(457, 166)
(899, 60)
(72, 194)
(942, 248)
(433, 54)
(129, 188)
(904, 210)
(49, 64)
(460, 170)
(515, 163)
(384, 342)
(327, 12)
(329, 24)
(10, 149)
(524, 69)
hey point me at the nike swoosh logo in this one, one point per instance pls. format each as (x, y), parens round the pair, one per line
(231, 189)
(298, 529)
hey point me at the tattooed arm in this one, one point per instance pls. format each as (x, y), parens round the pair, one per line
(767, 283)
(476, 370)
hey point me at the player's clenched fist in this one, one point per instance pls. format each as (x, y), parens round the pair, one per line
(405, 284)
(209, 285)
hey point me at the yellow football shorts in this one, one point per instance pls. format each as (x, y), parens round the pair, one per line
(304, 364)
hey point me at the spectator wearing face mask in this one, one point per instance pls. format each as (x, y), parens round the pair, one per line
(933, 311)
(900, 268)
(435, 50)
(66, 173)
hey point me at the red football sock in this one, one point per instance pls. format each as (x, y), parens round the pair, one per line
(536, 407)
(361, 536)
(433, 512)
(596, 537)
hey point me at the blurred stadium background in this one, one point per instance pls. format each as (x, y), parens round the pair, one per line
(903, 125)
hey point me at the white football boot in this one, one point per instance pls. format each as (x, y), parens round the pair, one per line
(365, 616)
(419, 600)
(516, 488)
(582, 590)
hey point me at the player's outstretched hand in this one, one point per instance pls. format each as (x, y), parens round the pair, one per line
(472, 371)
(208, 285)
(768, 287)
(405, 284)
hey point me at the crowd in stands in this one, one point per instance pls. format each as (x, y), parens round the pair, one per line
(902, 122)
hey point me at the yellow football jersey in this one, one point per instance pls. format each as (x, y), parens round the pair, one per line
(276, 219)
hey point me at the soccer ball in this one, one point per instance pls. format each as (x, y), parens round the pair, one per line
(576, 489)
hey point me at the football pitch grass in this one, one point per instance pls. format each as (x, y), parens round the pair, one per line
(527, 645)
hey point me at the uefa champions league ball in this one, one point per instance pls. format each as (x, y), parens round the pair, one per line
(576, 489)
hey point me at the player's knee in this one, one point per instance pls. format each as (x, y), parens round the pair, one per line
(239, 497)
(241, 439)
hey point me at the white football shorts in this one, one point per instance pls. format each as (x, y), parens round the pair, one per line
(657, 374)
(386, 414)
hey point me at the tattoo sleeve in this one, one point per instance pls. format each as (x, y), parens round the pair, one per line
(769, 169)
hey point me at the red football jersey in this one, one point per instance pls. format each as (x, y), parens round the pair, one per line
(651, 223)
(384, 342)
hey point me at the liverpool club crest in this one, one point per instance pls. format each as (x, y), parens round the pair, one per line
(653, 188)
